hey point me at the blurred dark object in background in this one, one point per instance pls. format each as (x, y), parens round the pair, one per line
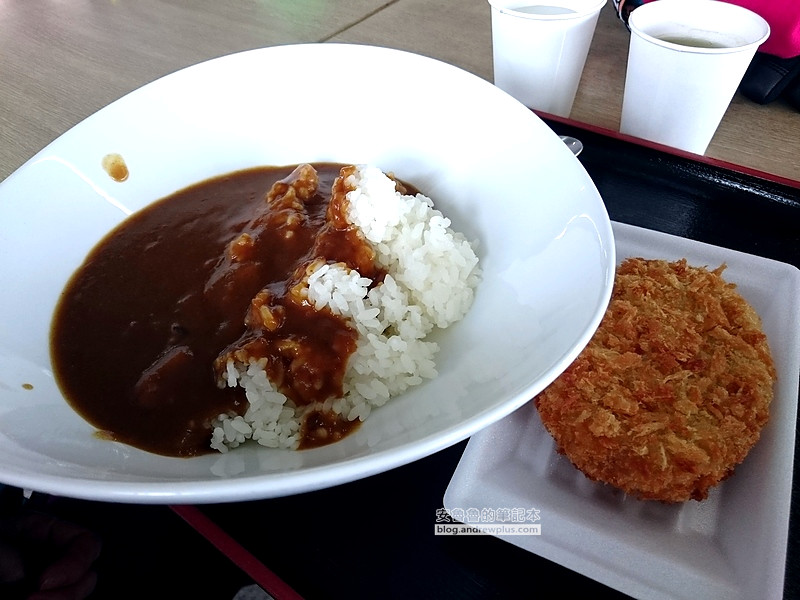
(770, 77)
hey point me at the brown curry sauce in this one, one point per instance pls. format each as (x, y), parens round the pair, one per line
(186, 282)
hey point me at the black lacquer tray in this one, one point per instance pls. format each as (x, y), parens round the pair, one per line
(692, 197)
(374, 538)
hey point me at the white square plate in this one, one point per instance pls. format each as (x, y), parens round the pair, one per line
(730, 546)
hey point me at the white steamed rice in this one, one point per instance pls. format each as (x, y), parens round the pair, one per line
(432, 274)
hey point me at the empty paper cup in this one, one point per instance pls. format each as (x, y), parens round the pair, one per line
(539, 50)
(685, 62)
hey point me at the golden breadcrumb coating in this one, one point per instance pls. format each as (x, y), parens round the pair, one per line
(673, 389)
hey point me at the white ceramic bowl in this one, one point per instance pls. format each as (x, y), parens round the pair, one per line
(546, 249)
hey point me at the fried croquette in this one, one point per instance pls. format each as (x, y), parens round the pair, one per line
(672, 391)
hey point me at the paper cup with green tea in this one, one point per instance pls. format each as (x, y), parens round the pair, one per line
(685, 61)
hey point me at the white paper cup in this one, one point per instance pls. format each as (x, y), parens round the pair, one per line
(675, 93)
(539, 49)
